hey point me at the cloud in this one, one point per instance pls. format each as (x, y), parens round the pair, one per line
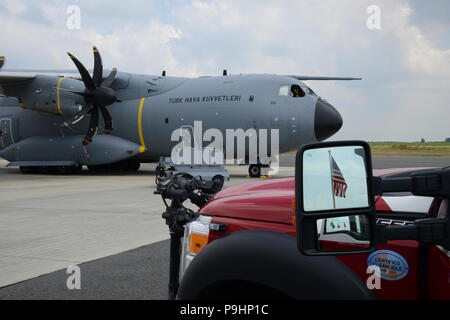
(140, 47)
(14, 6)
(405, 66)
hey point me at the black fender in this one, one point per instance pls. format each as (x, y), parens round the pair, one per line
(268, 262)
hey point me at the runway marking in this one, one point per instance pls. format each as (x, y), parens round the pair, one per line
(141, 135)
(58, 98)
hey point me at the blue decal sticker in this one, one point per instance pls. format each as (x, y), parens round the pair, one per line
(392, 265)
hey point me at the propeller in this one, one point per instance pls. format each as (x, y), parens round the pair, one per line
(97, 95)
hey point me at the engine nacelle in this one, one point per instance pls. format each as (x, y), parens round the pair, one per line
(48, 94)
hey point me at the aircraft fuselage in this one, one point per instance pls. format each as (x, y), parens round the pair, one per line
(151, 108)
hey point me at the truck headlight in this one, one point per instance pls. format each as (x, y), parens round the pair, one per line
(195, 239)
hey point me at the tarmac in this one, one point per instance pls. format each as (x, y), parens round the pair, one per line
(110, 225)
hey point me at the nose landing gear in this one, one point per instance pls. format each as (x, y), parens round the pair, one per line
(254, 170)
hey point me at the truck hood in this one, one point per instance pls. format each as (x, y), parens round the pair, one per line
(269, 200)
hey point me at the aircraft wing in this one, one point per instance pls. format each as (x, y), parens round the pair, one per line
(14, 75)
(303, 78)
(6, 77)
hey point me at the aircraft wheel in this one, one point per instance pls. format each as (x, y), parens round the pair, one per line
(218, 183)
(64, 170)
(28, 170)
(95, 168)
(121, 166)
(124, 166)
(46, 170)
(77, 169)
(254, 170)
(106, 168)
(134, 165)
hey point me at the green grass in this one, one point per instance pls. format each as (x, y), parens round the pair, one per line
(410, 148)
(435, 149)
(411, 144)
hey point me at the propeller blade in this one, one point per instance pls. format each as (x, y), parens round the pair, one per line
(98, 68)
(97, 95)
(84, 73)
(112, 76)
(108, 119)
(84, 94)
(93, 124)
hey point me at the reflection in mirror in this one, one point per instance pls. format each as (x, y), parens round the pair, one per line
(348, 233)
(334, 178)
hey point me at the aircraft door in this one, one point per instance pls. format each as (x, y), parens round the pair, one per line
(7, 136)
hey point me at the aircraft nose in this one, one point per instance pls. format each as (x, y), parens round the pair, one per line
(327, 120)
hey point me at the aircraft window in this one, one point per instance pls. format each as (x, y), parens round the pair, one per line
(311, 91)
(284, 90)
(296, 91)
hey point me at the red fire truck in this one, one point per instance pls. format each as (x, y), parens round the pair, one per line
(332, 232)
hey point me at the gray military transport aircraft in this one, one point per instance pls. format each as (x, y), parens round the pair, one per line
(51, 119)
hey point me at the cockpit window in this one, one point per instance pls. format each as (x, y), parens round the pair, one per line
(296, 91)
(284, 90)
(293, 91)
(310, 91)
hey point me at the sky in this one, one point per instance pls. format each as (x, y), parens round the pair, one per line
(405, 64)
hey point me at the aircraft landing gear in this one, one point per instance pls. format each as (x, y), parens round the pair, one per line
(63, 170)
(67, 170)
(254, 170)
(134, 165)
(28, 170)
(121, 166)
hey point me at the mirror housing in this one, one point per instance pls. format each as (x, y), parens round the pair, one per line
(334, 197)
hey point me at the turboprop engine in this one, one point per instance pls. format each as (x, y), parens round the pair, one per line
(49, 94)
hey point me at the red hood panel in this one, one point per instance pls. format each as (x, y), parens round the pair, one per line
(267, 200)
(286, 184)
(273, 205)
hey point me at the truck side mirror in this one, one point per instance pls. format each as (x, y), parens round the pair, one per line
(335, 209)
